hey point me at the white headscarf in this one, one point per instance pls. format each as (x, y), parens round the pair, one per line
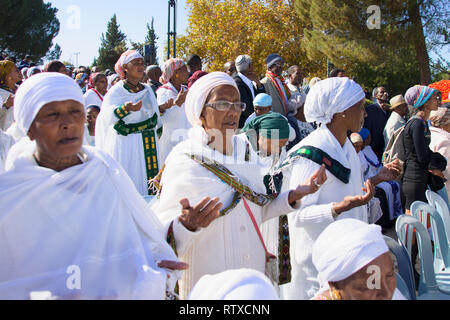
(240, 284)
(40, 90)
(199, 92)
(330, 96)
(345, 247)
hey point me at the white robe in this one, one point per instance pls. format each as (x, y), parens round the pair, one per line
(229, 242)
(92, 98)
(129, 150)
(82, 233)
(174, 120)
(6, 115)
(314, 215)
(393, 199)
(6, 142)
(88, 140)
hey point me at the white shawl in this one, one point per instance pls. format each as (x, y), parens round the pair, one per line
(81, 233)
(129, 150)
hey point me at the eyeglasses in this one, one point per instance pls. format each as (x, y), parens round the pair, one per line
(225, 105)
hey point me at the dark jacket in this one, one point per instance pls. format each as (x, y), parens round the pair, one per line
(246, 97)
(375, 122)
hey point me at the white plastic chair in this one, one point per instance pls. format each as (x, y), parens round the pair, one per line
(428, 287)
(437, 202)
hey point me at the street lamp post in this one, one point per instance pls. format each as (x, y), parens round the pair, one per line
(77, 54)
(172, 33)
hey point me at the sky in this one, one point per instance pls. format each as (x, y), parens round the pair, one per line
(84, 21)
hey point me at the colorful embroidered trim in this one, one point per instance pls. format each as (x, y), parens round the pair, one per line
(320, 157)
(121, 112)
(150, 155)
(125, 129)
(227, 177)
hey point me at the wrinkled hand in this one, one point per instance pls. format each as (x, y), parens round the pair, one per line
(9, 102)
(169, 104)
(129, 106)
(201, 215)
(181, 98)
(389, 172)
(311, 185)
(437, 173)
(351, 202)
(173, 265)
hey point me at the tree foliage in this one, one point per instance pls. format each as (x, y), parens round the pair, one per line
(338, 29)
(27, 27)
(113, 44)
(55, 53)
(254, 27)
(150, 40)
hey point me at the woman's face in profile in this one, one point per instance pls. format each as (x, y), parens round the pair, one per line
(375, 281)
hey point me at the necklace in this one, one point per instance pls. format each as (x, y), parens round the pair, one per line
(334, 294)
(133, 87)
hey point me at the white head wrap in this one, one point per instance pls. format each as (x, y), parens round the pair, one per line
(199, 92)
(31, 70)
(330, 96)
(345, 247)
(242, 63)
(241, 284)
(40, 90)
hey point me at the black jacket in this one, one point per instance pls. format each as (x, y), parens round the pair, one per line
(375, 122)
(246, 97)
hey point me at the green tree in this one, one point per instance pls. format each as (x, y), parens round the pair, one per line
(254, 27)
(150, 40)
(55, 53)
(339, 30)
(113, 44)
(27, 27)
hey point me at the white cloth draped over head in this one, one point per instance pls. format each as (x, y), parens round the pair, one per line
(330, 96)
(125, 58)
(84, 227)
(39, 90)
(239, 284)
(196, 99)
(345, 247)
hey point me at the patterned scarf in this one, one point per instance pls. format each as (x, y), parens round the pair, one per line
(272, 76)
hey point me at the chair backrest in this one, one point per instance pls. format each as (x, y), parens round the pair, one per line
(421, 211)
(427, 282)
(436, 201)
(405, 268)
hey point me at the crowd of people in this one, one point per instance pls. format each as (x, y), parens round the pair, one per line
(176, 183)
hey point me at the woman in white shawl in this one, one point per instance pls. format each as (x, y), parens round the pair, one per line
(205, 165)
(128, 124)
(337, 105)
(354, 263)
(71, 221)
(175, 123)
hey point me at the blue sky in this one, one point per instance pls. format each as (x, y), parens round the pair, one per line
(83, 34)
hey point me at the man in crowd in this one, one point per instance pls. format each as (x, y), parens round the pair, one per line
(230, 68)
(377, 117)
(153, 74)
(399, 108)
(246, 79)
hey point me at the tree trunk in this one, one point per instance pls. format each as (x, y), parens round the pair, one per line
(419, 42)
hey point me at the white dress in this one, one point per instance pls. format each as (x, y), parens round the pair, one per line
(92, 97)
(314, 215)
(130, 150)
(6, 115)
(82, 233)
(6, 142)
(174, 120)
(230, 241)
